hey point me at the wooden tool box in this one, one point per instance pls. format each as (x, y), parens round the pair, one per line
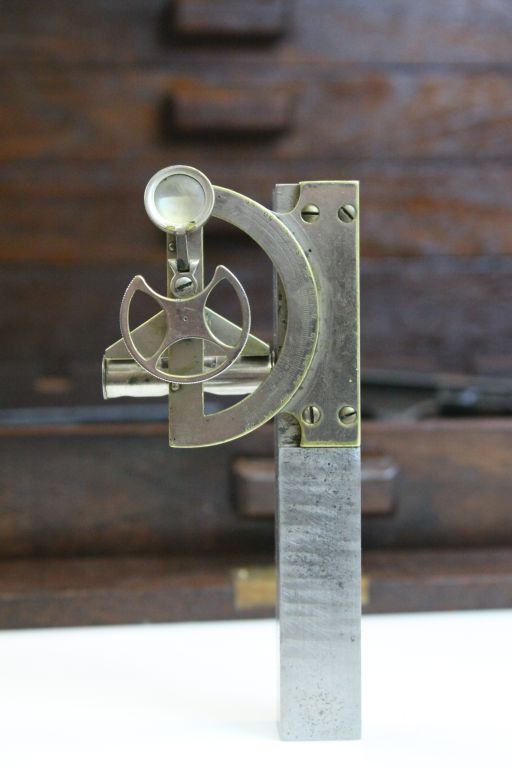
(99, 520)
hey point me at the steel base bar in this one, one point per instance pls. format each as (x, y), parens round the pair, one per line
(319, 592)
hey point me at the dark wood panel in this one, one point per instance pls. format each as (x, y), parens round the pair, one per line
(452, 484)
(437, 579)
(453, 487)
(247, 110)
(58, 501)
(400, 31)
(85, 591)
(437, 314)
(114, 489)
(124, 115)
(128, 31)
(97, 490)
(260, 19)
(84, 212)
(77, 592)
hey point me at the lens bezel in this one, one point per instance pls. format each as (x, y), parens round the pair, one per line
(152, 208)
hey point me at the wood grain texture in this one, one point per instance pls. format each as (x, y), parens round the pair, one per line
(91, 491)
(123, 590)
(414, 100)
(438, 579)
(131, 31)
(454, 484)
(93, 212)
(379, 113)
(243, 111)
(85, 591)
(261, 19)
(117, 489)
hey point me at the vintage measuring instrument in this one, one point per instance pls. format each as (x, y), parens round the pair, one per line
(307, 380)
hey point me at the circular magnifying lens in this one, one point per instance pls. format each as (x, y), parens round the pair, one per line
(179, 198)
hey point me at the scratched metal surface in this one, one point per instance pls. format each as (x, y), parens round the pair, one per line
(319, 609)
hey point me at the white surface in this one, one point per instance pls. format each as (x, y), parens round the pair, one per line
(437, 691)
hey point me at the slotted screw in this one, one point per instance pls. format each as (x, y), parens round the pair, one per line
(184, 284)
(347, 415)
(347, 213)
(311, 414)
(310, 213)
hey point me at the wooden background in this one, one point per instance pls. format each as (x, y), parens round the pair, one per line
(101, 522)
(412, 98)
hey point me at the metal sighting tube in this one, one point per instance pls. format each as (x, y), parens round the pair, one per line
(318, 520)
(125, 378)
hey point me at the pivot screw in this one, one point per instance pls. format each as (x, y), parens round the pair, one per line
(183, 285)
(347, 415)
(311, 414)
(310, 213)
(347, 213)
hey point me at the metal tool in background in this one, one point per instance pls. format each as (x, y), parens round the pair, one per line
(308, 381)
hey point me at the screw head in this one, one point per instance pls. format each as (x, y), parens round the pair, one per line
(347, 213)
(347, 415)
(310, 213)
(311, 414)
(183, 285)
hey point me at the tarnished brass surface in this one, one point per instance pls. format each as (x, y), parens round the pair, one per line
(187, 426)
(312, 241)
(331, 386)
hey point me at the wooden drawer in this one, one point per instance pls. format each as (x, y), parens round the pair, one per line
(101, 522)
(92, 212)
(133, 115)
(112, 489)
(91, 139)
(134, 31)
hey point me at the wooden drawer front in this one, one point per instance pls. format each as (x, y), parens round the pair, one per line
(111, 489)
(97, 96)
(92, 211)
(201, 112)
(92, 140)
(118, 489)
(144, 116)
(130, 31)
(261, 19)
(430, 484)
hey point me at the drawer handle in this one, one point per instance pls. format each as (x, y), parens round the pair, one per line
(261, 19)
(237, 111)
(255, 486)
